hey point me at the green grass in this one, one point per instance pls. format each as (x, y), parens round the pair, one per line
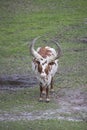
(22, 21)
(43, 125)
(15, 101)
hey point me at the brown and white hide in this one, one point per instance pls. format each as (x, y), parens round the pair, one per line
(45, 66)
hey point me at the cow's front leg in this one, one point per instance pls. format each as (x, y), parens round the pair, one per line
(51, 85)
(44, 91)
(41, 89)
(47, 94)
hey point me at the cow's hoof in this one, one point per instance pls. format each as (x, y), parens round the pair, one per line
(47, 100)
(40, 100)
(52, 90)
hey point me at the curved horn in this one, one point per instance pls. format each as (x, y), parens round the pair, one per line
(32, 50)
(59, 52)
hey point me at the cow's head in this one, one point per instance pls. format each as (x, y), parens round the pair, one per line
(43, 58)
(43, 67)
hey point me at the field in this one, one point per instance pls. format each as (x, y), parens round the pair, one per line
(20, 22)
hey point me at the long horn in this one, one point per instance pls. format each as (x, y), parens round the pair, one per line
(59, 52)
(32, 50)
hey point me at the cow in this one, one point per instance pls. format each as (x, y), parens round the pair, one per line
(45, 66)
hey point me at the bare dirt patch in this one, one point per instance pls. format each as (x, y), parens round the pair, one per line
(15, 82)
(83, 40)
(72, 102)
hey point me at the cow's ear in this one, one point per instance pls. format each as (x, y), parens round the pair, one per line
(38, 62)
(52, 63)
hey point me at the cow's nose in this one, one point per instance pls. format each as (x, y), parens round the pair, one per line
(43, 75)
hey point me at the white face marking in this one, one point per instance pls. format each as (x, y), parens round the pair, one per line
(44, 64)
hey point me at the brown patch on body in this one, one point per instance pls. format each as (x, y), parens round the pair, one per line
(44, 52)
(39, 65)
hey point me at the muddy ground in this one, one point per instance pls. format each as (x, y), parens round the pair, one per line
(72, 101)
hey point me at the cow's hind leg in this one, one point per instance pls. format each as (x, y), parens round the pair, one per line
(41, 89)
(51, 85)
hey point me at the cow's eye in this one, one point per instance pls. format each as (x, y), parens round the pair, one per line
(41, 59)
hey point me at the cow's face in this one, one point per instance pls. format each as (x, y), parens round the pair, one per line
(43, 67)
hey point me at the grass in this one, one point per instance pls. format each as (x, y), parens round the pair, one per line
(20, 22)
(26, 97)
(43, 125)
(26, 100)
